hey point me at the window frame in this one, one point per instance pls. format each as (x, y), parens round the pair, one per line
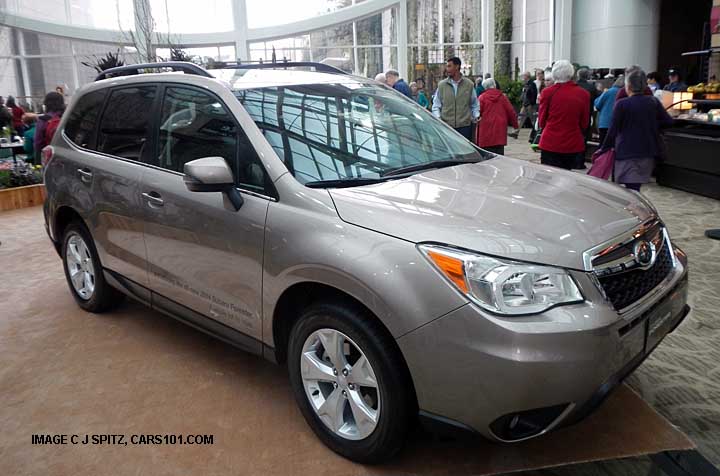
(91, 146)
(151, 123)
(270, 191)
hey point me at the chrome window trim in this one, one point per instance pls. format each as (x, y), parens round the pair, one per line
(256, 194)
(156, 167)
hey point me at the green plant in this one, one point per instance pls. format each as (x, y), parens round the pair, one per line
(512, 89)
(20, 175)
(4, 178)
(100, 64)
(503, 32)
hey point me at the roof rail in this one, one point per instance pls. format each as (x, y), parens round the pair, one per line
(185, 67)
(282, 64)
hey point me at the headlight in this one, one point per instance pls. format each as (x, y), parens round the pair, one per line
(504, 287)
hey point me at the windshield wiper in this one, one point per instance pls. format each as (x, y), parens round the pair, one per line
(427, 166)
(349, 182)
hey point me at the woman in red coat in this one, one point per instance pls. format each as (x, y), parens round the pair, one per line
(563, 118)
(17, 114)
(496, 114)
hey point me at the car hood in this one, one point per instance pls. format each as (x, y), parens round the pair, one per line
(503, 207)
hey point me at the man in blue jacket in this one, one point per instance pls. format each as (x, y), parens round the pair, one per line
(676, 85)
(394, 81)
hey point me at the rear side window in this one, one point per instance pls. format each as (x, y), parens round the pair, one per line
(81, 126)
(125, 125)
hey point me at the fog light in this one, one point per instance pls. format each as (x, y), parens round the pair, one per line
(520, 425)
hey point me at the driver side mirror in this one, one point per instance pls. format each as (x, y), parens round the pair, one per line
(212, 174)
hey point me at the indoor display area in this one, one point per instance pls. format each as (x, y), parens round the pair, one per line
(360, 237)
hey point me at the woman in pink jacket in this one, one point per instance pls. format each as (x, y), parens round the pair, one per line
(496, 114)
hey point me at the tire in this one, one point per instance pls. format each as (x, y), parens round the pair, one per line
(80, 257)
(392, 401)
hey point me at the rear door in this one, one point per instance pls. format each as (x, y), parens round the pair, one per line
(109, 149)
(202, 253)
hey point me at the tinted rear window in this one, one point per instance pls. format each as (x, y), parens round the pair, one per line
(82, 123)
(125, 125)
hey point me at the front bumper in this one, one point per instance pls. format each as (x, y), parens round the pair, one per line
(515, 378)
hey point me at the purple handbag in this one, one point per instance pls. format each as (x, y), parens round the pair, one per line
(602, 164)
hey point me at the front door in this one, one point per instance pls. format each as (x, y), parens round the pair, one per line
(202, 253)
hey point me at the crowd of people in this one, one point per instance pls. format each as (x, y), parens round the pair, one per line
(557, 102)
(35, 129)
(560, 104)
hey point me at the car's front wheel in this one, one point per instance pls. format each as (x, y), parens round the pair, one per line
(350, 382)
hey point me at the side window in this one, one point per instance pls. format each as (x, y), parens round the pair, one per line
(125, 125)
(81, 126)
(195, 124)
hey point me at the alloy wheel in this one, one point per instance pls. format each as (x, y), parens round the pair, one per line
(80, 266)
(340, 384)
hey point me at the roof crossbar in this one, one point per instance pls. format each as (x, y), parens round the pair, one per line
(185, 67)
(282, 64)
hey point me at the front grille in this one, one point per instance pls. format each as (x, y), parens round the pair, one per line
(625, 288)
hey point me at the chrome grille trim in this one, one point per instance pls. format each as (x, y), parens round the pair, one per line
(652, 230)
(617, 241)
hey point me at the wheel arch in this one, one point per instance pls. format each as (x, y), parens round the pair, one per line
(63, 216)
(302, 294)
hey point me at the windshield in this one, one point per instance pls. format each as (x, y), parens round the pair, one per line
(351, 131)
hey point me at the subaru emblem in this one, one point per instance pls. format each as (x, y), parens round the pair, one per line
(644, 252)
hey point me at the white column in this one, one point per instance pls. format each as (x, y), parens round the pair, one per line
(563, 18)
(68, 12)
(551, 24)
(143, 20)
(241, 30)
(524, 36)
(356, 63)
(387, 39)
(488, 35)
(615, 33)
(76, 76)
(25, 72)
(441, 24)
(402, 36)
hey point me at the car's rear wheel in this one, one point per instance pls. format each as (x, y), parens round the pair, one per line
(350, 382)
(84, 272)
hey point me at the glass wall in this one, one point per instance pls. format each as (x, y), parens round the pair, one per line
(531, 38)
(206, 16)
(105, 14)
(264, 13)
(519, 36)
(10, 73)
(365, 47)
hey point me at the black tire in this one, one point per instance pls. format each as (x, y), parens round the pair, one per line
(104, 296)
(397, 397)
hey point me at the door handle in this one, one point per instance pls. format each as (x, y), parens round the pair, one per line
(153, 199)
(85, 175)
